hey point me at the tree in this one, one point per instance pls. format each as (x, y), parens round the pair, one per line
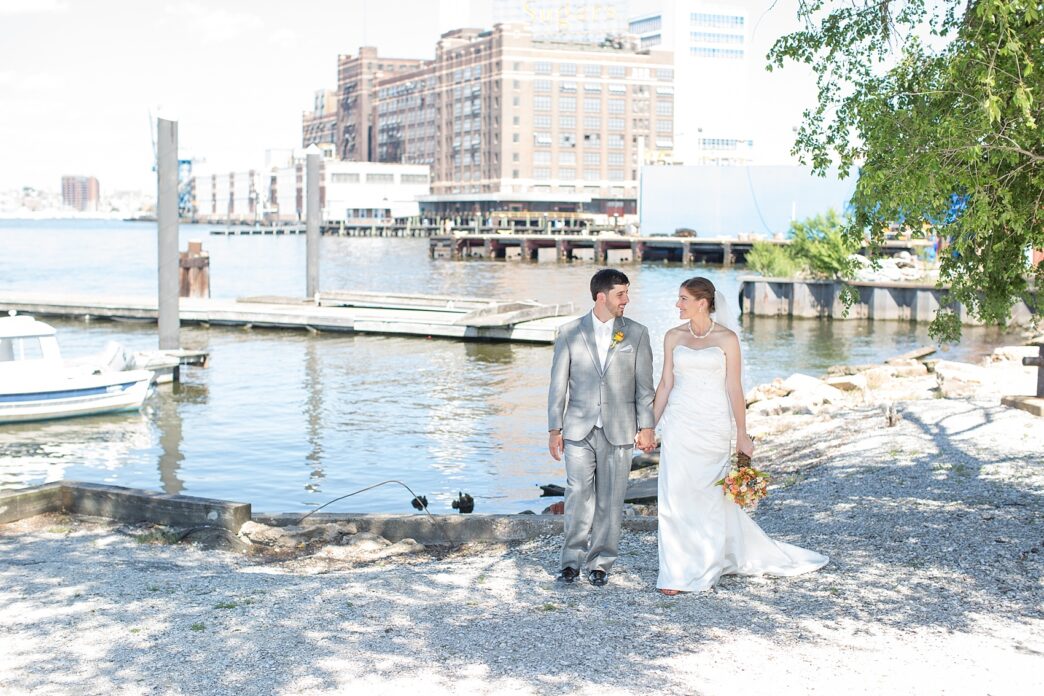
(938, 104)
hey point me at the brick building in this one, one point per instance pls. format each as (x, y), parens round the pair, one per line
(80, 192)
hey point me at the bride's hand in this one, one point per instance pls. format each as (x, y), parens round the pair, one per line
(745, 445)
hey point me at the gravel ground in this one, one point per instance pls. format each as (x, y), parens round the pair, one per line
(933, 527)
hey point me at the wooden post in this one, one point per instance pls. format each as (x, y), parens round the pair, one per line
(686, 253)
(194, 266)
(1038, 362)
(167, 223)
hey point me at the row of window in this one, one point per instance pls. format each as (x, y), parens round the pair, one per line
(716, 37)
(594, 70)
(724, 143)
(544, 173)
(708, 19)
(704, 52)
(569, 157)
(612, 106)
(543, 139)
(375, 178)
(646, 25)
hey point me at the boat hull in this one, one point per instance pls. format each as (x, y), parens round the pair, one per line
(124, 391)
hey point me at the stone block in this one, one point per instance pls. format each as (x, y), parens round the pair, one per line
(848, 382)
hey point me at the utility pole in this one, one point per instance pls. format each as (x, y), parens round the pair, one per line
(167, 225)
(312, 216)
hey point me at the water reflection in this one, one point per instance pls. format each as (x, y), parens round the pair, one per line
(313, 387)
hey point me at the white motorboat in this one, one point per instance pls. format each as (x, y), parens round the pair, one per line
(36, 384)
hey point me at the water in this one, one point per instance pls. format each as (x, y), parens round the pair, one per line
(289, 420)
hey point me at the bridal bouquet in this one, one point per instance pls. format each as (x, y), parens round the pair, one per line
(744, 485)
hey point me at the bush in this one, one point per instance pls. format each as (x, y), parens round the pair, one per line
(772, 260)
(820, 244)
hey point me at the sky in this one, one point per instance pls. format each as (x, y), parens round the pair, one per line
(80, 79)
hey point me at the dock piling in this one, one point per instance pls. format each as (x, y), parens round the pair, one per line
(167, 232)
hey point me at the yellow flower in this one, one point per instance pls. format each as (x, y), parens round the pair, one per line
(617, 337)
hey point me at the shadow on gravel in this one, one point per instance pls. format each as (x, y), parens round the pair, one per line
(919, 538)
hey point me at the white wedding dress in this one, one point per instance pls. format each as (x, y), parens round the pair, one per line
(702, 534)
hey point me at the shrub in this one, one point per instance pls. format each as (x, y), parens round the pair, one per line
(820, 244)
(772, 260)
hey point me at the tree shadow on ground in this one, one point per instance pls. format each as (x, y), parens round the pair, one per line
(916, 545)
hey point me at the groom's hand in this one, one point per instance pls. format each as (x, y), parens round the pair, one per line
(646, 440)
(555, 444)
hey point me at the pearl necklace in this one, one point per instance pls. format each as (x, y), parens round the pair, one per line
(697, 336)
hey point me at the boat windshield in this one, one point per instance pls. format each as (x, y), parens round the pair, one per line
(12, 349)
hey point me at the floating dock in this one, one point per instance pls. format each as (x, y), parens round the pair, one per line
(435, 316)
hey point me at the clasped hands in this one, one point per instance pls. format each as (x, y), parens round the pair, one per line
(645, 440)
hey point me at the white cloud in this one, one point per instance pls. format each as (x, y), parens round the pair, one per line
(22, 7)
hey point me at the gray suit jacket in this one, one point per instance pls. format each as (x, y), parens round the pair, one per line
(581, 391)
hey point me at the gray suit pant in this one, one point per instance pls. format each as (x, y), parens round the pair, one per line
(597, 473)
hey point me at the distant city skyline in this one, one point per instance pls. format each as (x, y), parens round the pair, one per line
(80, 80)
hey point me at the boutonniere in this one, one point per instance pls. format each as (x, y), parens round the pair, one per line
(617, 338)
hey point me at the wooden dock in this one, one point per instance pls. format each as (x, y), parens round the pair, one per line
(614, 248)
(358, 312)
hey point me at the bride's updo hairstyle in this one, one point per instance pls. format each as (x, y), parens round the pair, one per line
(701, 289)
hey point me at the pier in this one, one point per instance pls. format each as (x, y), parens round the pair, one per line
(614, 248)
(434, 316)
(817, 299)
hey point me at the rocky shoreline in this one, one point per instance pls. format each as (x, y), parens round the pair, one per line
(925, 492)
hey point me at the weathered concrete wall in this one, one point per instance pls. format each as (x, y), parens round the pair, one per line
(769, 297)
(125, 504)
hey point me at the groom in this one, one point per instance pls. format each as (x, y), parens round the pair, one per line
(601, 394)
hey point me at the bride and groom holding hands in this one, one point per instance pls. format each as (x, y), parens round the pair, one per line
(602, 404)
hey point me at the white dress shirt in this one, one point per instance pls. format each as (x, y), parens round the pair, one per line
(603, 332)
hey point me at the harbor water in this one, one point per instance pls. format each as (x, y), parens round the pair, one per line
(287, 420)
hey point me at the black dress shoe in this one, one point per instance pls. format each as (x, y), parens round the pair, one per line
(598, 578)
(568, 575)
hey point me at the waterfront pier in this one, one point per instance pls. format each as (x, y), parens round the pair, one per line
(433, 316)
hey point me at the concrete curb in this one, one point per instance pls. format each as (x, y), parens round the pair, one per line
(452, 529)
(131, 505)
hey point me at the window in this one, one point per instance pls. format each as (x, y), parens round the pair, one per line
(515, 101)
(567, 122)
(414, 178)
(616, 175)
(593, 122)
(541, 85)
(616, 124)
(517, 84)
(567, 69)
(665, 74)
(542, 139)
(567, 104)
(541, 172)
(716, 37)
(514, 156)
(515, 120)
(345, 178)
(592, 175)
(727, 53)
(592, 105)
(617, 106)
(592, 87)
(567, 87)
(542, 121)
(615, 141)
(592, 158)
(542, 157)
(514, 173)
(664, 126)
(567, 172)
(614, 158)
(664, 90)
(514, 137)
(592, 70)
(664, 108)
(541, 103)
(594, 139)
(567, 157)
(617, 88)
(617, 71)
(542, 68)
(380, 178)
(567, 139)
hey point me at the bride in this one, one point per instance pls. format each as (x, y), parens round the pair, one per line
(702, 534)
